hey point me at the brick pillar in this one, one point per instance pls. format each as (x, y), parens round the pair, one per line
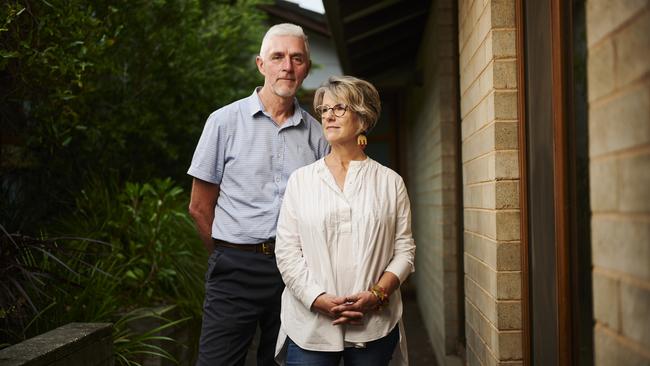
(618, 37)
(488, 89)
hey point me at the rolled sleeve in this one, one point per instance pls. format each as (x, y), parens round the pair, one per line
(403, 261)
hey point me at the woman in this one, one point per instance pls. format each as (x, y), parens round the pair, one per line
(344, 243)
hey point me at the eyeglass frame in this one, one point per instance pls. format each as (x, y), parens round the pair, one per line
(322, 109)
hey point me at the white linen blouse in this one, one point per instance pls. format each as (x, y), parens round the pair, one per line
(341, 242)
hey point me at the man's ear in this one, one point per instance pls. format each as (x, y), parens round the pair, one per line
(260, 64)
(308, 66)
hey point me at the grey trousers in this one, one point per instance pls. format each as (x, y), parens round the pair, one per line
(242, 292)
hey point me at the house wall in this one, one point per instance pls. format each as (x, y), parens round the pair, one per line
(432, 112)
(488, 109)
(325, 61)
(619, 149)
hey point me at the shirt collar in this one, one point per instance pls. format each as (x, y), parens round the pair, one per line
(255, 106)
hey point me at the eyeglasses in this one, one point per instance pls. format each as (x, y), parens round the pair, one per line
(338, 109)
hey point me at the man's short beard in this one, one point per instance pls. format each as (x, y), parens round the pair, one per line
(290, 92)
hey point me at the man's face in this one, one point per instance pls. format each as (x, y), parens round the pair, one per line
(284, 64)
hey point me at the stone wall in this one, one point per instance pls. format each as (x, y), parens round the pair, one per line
(618, 37)
(88, 344)
(488, 108)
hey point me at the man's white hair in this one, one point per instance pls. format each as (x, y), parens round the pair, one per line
(284, 29)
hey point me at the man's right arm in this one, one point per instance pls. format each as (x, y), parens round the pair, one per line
(202, 203)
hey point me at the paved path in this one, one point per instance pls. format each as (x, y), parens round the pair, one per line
(419, 346)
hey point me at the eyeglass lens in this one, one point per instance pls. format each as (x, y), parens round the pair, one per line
(338, 109)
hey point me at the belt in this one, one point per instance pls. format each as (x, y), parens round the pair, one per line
(268, 247)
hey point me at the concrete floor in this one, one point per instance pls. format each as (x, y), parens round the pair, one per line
(419, 346)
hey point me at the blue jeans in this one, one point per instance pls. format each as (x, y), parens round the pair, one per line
(376, 353)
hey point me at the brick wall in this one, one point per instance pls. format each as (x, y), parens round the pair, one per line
(618, 37)
(490, 181)
(433, 113)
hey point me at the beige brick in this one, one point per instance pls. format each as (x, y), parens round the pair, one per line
(509, 345)
(472, 358)
(633, 50)
(473, 68)
(600, 70)
(491, 195)
(479, 170)
(634, 183)
(606, 299)
(506, 194)
(478, 33)
(504, 74)
(610, 351)
(502, 43)
(480, 30)
(508, 256)
(477, 118)
(485, 303)
(482, 222)
(486, 79)
(506, 165)
(621, 245)
(502, 105)
(508, 285)
(471, 98)
(621, 123)
(507, 225)
(508, 315)
(491, 360)
(481, 248)
(503, 13)
(480, 143)
(479, 195)
(604, 185)
(468, 20)
(604, 16)
(477, 348)
(505, 135)
(483, 275)
(635, 312)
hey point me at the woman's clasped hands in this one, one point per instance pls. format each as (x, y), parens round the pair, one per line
(349, 309)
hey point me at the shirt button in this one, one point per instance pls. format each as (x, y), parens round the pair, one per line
(277, 179)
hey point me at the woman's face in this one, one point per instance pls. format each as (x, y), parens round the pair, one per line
(339, 130)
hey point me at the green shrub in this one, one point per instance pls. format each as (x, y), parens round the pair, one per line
(120, 86)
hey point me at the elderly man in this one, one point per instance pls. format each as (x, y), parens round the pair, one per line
(240, 167)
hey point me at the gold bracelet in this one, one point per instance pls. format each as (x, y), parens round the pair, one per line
(380, 294)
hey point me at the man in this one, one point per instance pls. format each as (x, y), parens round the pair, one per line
(240, 167)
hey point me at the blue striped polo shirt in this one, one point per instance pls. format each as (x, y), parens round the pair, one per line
(251, 158)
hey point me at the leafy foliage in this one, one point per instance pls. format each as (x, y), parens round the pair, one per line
(34, 272)
(94, 95)
(161, 260)
(112, 86)
(155, 258)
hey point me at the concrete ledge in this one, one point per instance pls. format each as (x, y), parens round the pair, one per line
(88, 344)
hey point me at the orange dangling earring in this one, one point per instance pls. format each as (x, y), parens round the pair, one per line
(362, 140)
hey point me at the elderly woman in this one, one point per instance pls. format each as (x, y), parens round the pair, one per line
(344, 243)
